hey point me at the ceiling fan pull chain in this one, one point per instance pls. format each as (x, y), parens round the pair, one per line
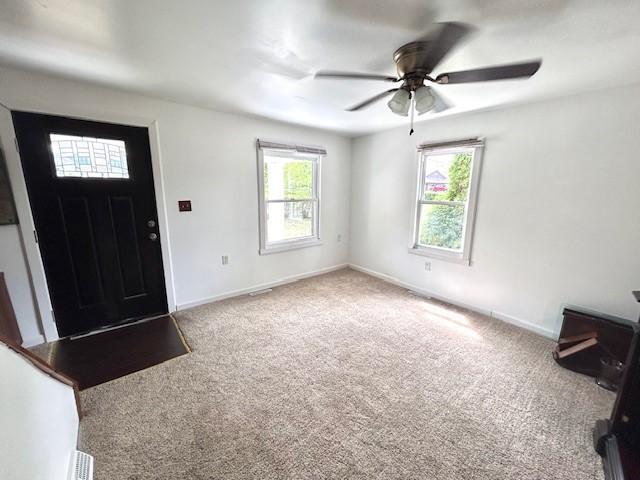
(413, 108)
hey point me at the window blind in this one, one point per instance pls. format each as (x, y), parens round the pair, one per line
(264, 144)
(469, 142)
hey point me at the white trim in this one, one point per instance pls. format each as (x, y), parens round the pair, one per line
(532, 327)
(296, 243)
(288, 245)
(42, 303)
(440, 254)
(30, 342)
(472, 201)
(163, 219)
(420, 290)
(27, 226)
(261, 286)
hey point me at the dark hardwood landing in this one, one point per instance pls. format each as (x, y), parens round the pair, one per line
(101, 357)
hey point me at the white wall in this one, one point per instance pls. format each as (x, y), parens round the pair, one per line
(558, 218)
(209, 158)
(39, 421)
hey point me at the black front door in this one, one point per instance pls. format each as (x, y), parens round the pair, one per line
(91, 190)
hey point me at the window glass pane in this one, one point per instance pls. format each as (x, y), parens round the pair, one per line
(446, 176)
(441, 226)
(287, 178)
(289, 220)
(86, 157)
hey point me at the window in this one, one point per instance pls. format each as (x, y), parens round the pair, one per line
(445, 207)
(85, 157)
(289, 190)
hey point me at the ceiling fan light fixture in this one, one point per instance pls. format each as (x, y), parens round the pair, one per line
(400, 102)
(424, 100)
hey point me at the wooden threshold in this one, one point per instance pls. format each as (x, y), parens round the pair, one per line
(95, 359)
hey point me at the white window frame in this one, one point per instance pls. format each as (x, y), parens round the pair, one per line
(294, 243)
(424, 151)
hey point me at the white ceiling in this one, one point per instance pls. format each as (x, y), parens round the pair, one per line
(258, 56)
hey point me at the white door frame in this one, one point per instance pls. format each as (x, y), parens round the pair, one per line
(27, 226)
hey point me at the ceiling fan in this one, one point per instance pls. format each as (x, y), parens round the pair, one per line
(416, 60)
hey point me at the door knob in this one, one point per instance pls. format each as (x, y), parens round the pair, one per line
(153, 237)
(151, 223)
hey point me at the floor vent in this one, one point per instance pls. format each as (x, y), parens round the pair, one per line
(81, 466)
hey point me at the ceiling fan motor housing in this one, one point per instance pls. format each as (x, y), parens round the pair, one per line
(409, 61)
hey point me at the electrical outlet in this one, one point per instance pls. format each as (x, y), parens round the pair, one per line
(427, 266)
(225, 259)
(339, 238)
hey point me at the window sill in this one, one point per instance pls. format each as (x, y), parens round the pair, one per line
(452, 257)
(286, 246)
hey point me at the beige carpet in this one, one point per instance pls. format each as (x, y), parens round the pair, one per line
(344, 376)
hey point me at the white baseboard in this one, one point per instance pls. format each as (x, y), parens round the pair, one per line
(262, 286)
(532, 327)
(545, 332)
(420, 290)
(33, 341)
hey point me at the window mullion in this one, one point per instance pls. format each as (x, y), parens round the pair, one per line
(296, 200)
(441, 202)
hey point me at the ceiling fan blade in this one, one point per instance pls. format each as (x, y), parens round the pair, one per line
(371, 100)
(354, 76)
(440, 43)
(502, 72)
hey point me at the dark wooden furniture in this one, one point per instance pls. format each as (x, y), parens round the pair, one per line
(8, 323)
(586, 337)
(618, 439)
(104, 356)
